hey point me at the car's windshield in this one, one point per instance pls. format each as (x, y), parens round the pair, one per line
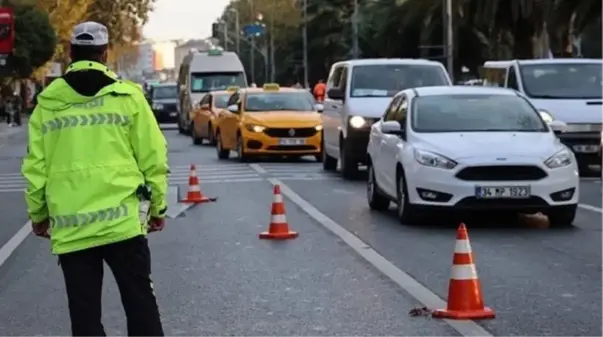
(278, 101)
(165, 92)
(205, 82)
(563, 80)
(386, 80)
(474, 113)
(221, 101)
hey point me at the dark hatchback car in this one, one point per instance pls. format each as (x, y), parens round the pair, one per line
(163, 99)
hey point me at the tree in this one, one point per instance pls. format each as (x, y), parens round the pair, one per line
(123, 18)
(35, 41)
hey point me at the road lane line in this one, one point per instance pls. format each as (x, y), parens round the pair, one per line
(13, 243)
(258, 168)
(590, 208)
(405, 281)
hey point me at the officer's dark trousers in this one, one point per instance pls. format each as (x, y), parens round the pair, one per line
(130, 262)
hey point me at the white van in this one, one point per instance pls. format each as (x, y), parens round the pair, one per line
(202, 72)
(568, 90)
(358, 93)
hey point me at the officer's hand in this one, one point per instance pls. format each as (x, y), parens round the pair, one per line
(156, 224)
(41, 228)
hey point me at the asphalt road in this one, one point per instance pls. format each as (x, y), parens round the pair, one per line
(214, 277)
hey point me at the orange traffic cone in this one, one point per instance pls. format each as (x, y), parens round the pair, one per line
(194, 194)
(465, 299)
(278, 228)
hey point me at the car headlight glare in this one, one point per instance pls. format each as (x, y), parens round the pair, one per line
(157, 106)
(546, 116)
(318, 127)
(431, 159)
(560, 159)
(255, 128)
(357, 122)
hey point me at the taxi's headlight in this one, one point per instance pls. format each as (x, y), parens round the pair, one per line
(157, 106)
(560, 159)
(318, 127)
(255, 128)
(357, 122)
(431, 159)
(546, 116)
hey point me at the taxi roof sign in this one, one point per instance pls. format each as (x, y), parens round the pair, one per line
(271, 87)
(214, 52)
(232, 88)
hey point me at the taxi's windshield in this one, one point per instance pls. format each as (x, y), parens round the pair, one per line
(221, 101)
(278, 101)
(165, 92)
(386, 80)
(474, 113)
(205, 82)
(563, 80)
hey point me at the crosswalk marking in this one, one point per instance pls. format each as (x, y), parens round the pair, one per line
(223, 173)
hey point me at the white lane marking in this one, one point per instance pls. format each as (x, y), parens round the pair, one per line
(13, 243)
(257, 168)
(590, 208)
(405, 281)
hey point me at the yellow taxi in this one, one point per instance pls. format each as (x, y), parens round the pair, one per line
(205, 115)
(270, 121)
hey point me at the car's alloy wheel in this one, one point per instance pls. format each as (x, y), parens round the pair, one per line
(376, 200)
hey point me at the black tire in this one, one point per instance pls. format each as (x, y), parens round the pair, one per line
(328, 163)
(349, 166)
(562, 216)
(376, 200)
(318, 157)
(407, 213)
(196, 140)
(222, 153)
(241, 149)
(210, 135)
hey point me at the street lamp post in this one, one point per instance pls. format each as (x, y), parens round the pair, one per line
(305, 42)
(355, 47)
(449, 39)
(225, 31)
(238, 30)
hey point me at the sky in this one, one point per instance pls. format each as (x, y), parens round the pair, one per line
(183, 19)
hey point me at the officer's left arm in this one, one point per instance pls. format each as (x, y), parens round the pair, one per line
(34, 170)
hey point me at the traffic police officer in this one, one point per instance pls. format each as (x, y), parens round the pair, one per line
(93, 145)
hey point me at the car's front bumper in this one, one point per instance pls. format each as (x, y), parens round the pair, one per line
(559, 188)
(166, 116)
(258, 143)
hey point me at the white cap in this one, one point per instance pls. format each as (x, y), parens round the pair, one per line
(90, 33)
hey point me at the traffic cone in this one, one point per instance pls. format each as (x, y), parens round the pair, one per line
(465, 299)
(278, 228)
(194, 195)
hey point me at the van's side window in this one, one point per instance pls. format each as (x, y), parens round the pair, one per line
(335, 77)
(512, 79)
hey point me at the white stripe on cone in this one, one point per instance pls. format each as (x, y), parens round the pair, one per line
(193, 173)
(464, 272)
(279, 218)
(278, 198)
(194, 188)
(462, 247)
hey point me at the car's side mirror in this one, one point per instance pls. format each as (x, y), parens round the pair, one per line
(319, 107)
(558, 127)
(336, 93)
(392, 128)
(234, 108)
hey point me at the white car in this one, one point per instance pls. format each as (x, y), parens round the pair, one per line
(470, 148)
(358, 91)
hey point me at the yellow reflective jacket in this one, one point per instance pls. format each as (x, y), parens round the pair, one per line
(86, 158)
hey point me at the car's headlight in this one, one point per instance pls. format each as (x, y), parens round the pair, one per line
(546, 116)
(157, 106)
(431, 159)
(254, 128)
(560, 159)
(357, 122)
(318, 127)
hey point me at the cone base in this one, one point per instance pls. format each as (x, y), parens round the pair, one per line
(485, 313)
(196, 200)
(279, 236)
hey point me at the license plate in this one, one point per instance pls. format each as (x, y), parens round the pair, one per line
(292, 141)
(586, 148)
(173, 114)
(502, 192)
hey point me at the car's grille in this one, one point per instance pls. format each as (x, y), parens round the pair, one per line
(286, 132)
(170, 107)
(501, 173)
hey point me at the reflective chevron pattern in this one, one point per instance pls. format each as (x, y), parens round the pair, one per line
(64, 122)
(83, 219)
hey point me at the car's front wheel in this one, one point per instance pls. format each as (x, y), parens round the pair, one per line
(376, 200)
(407, 213)
(196, 139)
(328, 163)
(222, 153)
(562, 216)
